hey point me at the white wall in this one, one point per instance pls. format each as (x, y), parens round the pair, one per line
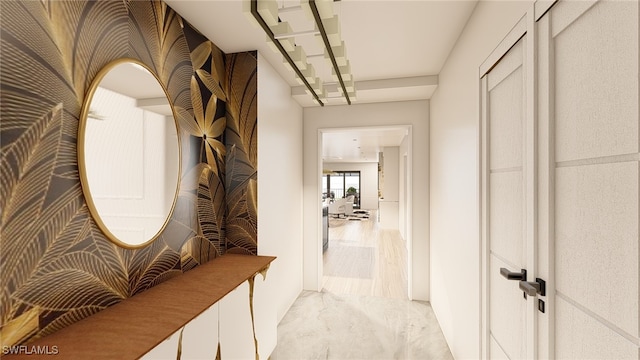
(391, 168)
(454, 181)
(413, 113)
(368, 181)
(279, 186)
(390, 190)
(404, 182)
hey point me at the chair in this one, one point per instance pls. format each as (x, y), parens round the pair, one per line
(338, 207)
(348, 208)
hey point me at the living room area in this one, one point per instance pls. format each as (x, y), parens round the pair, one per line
(364, 248)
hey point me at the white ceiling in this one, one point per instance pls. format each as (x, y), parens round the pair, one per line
(396, 49)
(359, 145)
(385, 39)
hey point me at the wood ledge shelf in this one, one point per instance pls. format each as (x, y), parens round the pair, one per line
(133, 327)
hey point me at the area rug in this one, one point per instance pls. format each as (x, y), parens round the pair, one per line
(359, 215)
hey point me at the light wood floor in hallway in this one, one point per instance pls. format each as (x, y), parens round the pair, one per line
(363, 259)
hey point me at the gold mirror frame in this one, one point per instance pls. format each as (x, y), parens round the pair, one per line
(93, 210)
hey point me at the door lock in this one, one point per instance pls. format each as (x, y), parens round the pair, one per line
(532, 288)
(509, 275)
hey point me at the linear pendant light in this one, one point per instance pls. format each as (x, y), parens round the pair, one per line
(281, 37)
(290, 61)
(327, 45)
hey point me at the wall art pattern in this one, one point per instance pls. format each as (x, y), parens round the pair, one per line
(57, 267)
(242, 157)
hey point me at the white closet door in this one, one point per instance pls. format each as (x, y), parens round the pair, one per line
(589, 176)
(505, 212)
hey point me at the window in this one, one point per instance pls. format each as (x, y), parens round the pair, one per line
(342, 184)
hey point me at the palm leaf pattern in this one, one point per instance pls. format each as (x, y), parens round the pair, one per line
(52, 321)
(206, 137)
(57, 266)
(241, 138)
(43, 211)
(211, 209)
(242, 204)
(197, 251)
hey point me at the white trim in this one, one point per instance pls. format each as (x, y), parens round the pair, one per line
(484, 219)
(318, 242)
(603, 321)
(541, 7)
(531, 182)
(546, 188)
(409, 204)
(511, 39)
(523, 27)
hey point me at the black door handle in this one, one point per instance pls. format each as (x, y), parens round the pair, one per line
(532, 288)
(522, 275)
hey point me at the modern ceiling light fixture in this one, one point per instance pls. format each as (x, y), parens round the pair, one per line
(326, 28)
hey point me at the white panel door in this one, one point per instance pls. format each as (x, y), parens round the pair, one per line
(589, 174)
(560, 173)
(506, 194)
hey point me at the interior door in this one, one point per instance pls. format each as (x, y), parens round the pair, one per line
(560, 184)
(506, 216)
(589, 156)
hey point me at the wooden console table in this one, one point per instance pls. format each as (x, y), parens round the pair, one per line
(133, 327)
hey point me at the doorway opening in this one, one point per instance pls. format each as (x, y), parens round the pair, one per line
(362, 255)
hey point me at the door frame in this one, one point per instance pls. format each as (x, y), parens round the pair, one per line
(408, 205)
(524, 27)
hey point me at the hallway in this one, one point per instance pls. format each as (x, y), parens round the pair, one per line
(323, 325)
(363, 259)
(363, 311)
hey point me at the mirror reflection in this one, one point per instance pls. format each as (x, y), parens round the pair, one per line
(129, 154)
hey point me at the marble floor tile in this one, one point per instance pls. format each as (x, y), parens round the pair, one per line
(323, 325)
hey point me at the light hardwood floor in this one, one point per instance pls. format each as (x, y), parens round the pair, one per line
(363, 259)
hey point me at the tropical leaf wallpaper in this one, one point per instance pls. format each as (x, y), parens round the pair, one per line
(242, 153)
(56, 265)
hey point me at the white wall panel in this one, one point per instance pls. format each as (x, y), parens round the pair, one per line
(507, 316)
(506, 124)
(236, 328)
(596, 81)
(597, 239)
(200, 336)
(580, 336)
(228, 323)
(168, 349)
(496, 351)
(506, 216)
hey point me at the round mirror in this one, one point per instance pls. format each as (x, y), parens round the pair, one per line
(129, 153)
